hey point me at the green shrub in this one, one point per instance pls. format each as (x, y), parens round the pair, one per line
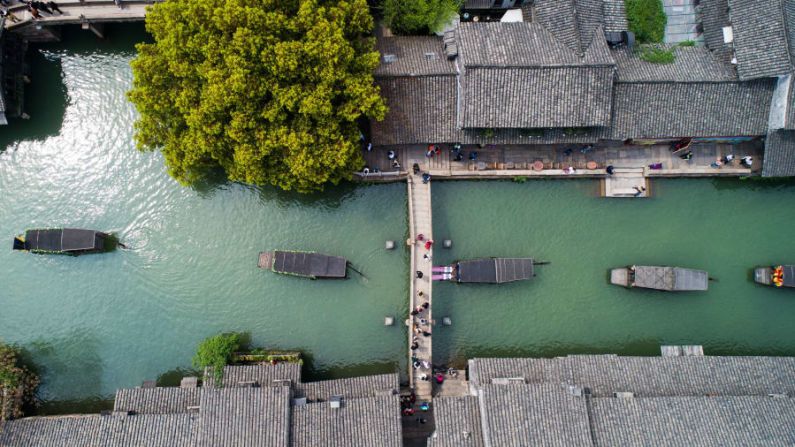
(687, 43)
(17, 383)
(646, 19)
(216, 352)
(657, 55)
(419, 16)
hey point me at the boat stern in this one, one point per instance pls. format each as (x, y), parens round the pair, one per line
(19, 242)
(620, 277)
(762, 275)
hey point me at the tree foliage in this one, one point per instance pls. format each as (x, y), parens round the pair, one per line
(216, 352)
(419, 16)
(17, 384)
(268, 90)
(647, 20)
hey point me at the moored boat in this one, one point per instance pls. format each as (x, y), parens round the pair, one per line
(304, 264)
(486, 270)
(68, 241)
(776, 276)
(669, 279)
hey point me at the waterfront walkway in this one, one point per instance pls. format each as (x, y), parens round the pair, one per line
(82, 12)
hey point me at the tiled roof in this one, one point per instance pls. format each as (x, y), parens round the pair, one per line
(699, 109)
(245, 416)
(522, 45)
(351, 388)
(779, 160)
(692, 64)
(263, 375)
(615, 17)
(414, 56)
(457, 422)
(421, 110)
(373, 421)
(574, 22)
(760, 38)
(714, 17)
(146, 430)
(537, 97)
(521, 415)
(560, 18)
(156, 400)
(691, 421)
(648, 376)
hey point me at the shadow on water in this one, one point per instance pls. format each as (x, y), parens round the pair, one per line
(61, 359)
(174, 377)
(332, 197)
(752, 183)
(75, 406)
(46, 96)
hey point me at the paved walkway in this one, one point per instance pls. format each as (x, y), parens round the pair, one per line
(420, 224)
(682, 23)
(517, 161)
(94, 11)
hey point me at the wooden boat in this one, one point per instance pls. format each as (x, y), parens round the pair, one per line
(670, 279)
(68, 241)
(486, 270)
(776, 276)
(304, 264)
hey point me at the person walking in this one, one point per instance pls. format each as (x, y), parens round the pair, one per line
(54, 7)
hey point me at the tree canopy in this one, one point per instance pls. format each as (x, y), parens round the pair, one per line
(268, 90)
(17, 384)
(216, 351)
(647, 20)
(419, 16)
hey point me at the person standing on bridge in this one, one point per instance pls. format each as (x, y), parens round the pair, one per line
(42, 7)
(54, 7)
(34, 12)
(118, 3)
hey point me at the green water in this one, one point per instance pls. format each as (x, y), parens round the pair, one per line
(99, 322)
(723, 226)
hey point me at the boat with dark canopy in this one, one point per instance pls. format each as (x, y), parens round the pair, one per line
(776, 276)
(486, 270)
(304, 264)
(669, 279)
(70, 241)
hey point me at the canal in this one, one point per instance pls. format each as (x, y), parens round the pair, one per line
(96, 323)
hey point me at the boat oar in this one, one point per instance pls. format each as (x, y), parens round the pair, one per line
(541, 262)
(712, 279)
(350, 266)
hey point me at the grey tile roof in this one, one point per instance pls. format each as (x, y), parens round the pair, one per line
(699, 109)
(760, 38)
(521, 415)
(245, 416)
(779, 160)
(522, 45)
(351, 388)
(701, 421)
(166, 430)
(156, 400)
(457, 422)
(560, 18)
(373, 421)
(649, 376)
(533, 370)
(264, 375)
(692, 64)
(415, 56)
(615, 17)
(537, 97)
(478, 4)
(421, 110)
(714, 16)
(525, 136)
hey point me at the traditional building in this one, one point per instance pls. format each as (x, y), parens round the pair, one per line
(256, 406)
(567, 75)
(610, 400)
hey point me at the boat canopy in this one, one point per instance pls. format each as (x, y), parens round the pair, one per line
(670, 278)
(494, 270)
(66, 240)
(789, 275)
(311, 265)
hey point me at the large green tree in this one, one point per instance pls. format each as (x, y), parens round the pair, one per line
(268, 90)
(419, 16)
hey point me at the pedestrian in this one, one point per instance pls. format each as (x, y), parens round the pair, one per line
(425, 406)
(638, 191)
(426, 177)
(419, 309)
(426, 333)
(416, 364)
(747, 161)
(419, 274)
(473, 155)
(716, 164)
(417, 330)
(42, 7)
(369, 147)
(54, 7)
(423, 321)
(728, 158)
(428, 244)
(395, 164)
(34, 12)
(423, 377)
(118, 3)
(609, 169)
(414, 346)
(420, 294)
(425, 305)
(426, 257)
(439, 378)
(414, 312)
(391, 155)
(366, 171)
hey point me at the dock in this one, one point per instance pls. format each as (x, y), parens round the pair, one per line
(626, 182)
